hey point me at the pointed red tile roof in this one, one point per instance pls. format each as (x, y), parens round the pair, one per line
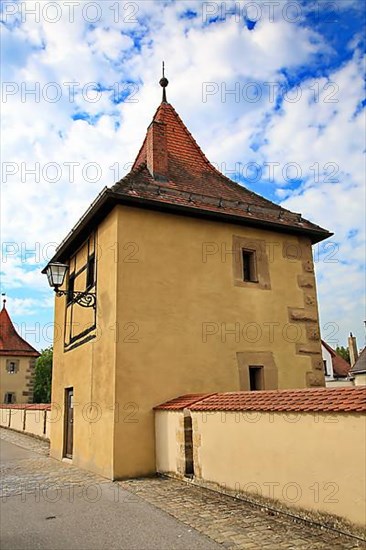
(10, 341)
(172, 174)
(171, 169)
(188, 169)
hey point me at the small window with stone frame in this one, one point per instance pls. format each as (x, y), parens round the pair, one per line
(12, 366)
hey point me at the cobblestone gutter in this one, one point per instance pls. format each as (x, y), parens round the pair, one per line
(232, 522)
(235, 523)
(319, 519)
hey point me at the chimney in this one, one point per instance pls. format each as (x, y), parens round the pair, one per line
(157, 154)
(352, 346)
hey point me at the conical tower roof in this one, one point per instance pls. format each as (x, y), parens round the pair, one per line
(172, 174)
(171, 169)
(10, 341)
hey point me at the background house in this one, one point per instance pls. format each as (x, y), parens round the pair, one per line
(358, 369)
(336, 369)
(201, 286)
(17, 362)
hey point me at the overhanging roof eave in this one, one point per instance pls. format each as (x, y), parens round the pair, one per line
(108, 199)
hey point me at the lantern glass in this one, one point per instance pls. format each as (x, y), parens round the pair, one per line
(49, 276)
(56, 274)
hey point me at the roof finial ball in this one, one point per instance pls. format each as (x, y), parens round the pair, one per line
(164, 83)
(4, 298)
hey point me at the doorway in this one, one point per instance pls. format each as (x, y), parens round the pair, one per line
(69, 422)
(188, 447)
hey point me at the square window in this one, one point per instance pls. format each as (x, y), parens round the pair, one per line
(250, 263)
(249, 266)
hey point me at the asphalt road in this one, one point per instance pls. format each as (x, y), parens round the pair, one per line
(81, 516)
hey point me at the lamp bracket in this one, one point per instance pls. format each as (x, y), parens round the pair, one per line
(84, 299)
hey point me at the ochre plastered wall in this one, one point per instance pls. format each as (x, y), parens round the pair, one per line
(177, 302)
(360, 379)
(28, 420)
(339, 383)
(170, 321)
(90, 367)
(4, 417)
(21, 382)
(170, 453)
(296, 458)
(36, 422)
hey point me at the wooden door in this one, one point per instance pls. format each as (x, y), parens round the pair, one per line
(188, 446)
(69, 422)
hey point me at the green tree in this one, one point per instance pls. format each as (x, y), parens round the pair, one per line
(43, 377)
(343, 352)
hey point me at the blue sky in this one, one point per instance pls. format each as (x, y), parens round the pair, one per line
(272, 92)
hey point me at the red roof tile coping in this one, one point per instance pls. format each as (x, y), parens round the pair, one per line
(302, 400)
(11, 344)
(182, 402)
(28, 407)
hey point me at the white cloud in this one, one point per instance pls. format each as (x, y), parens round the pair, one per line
(225, 53)
(110, 42)
(15, 270)
(19, 307)
(338, 206)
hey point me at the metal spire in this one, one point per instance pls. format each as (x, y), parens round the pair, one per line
(164, 83)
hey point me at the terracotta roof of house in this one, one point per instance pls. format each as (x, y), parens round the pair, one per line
(183, 402)
(340, 365)
(172, 174)
(360, 365)
(10, 341)
(351, 399)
